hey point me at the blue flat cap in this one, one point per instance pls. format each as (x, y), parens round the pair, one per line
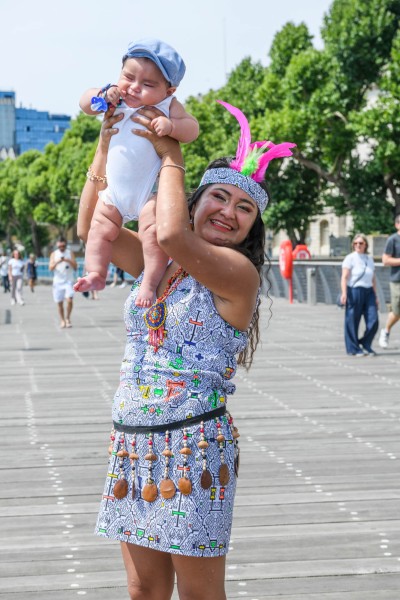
(165, 57)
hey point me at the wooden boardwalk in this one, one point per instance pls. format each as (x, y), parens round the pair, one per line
(317, 514)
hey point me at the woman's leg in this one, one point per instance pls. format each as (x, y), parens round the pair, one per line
(13, 289)
(371, 318)
(19, 290)
(200, 578)
(150, 573)
(352, 321)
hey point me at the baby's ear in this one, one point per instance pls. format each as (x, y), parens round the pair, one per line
(171, 90)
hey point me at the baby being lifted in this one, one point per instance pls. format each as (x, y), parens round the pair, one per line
(151, 72)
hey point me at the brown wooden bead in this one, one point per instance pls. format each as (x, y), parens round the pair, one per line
(235, 433)
(220, 438)
(167, 452)
(123, 453)
(203, 444)
(149, 492)
(133, 456)
(133, 490)
(121, 489)
(206, 479)
(150, 456)
(167, 488)
(185, 486)
(185, 451)
(223, 474)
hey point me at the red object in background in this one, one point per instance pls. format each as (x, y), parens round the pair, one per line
(301, 252)
(286, 259)
(286, 264)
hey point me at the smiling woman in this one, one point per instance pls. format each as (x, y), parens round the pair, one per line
(174, 446)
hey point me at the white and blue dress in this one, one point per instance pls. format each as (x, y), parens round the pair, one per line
(188, 376)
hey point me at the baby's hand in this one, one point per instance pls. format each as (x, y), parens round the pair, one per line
(162, 126)
(113, 95)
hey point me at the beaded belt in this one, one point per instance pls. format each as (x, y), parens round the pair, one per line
(218, 412)
(167, 487)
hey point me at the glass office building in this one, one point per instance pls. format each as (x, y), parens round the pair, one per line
(23, 129)
(7, 120)
(35, 129)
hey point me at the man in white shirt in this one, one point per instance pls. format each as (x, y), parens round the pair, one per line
(63, 264)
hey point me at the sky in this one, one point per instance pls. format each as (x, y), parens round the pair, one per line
(52, 51)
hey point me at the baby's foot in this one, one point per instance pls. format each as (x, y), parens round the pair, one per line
(91, 281)
(146, 297)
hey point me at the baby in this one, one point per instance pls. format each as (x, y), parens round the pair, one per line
(151, 72)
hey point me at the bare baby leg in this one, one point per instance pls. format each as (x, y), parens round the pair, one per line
(155, 259)
(104, 230)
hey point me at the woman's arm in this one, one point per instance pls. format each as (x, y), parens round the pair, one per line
(230, 275)
(343, 284)
(127, 249)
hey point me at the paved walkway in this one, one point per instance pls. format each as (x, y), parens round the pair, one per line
(317, 514)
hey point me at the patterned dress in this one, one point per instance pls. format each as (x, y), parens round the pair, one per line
(189, 375)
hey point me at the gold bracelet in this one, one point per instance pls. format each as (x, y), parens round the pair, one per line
(175, 166)
(92, 177)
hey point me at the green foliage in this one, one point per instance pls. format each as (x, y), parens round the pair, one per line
(290, 41)
(340, 105)
(41, 189)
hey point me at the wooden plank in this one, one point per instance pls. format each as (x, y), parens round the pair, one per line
(318, 494)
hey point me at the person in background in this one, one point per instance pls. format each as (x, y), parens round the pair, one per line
(391, 258)
(63, 264)
(16, 275)
(31, 272)
(358, 285)
(118, 275)
(5, 281)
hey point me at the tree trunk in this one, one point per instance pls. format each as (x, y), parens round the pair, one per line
(35, 238)
(335, 179)
(391, 186)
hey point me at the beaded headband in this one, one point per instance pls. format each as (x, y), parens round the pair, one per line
(248, 168)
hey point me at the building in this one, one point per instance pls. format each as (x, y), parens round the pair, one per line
(23, 129)
(7, 121)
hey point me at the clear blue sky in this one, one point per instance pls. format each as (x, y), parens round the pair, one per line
(52, 51)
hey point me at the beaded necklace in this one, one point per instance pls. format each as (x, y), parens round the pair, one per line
(156, 315)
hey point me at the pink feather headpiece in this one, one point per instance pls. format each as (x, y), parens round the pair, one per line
(251, 161)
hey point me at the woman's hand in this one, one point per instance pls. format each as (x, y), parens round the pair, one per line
(107, 127)
(164, 146)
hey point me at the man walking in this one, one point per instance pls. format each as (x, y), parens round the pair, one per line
(391, 258)
(63, 263)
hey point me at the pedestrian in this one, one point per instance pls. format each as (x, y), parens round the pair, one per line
(16, 277)
(151, 72)
(391, 258)
(117, 275)
(171, 508)
(5, 281)
(31, 271)
(358, 285)
(62, 262)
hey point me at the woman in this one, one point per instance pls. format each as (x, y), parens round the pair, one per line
(31, 271)
(15, 275)
(358, 286)
(171, 504)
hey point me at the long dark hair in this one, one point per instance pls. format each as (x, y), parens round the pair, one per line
(253, 247)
